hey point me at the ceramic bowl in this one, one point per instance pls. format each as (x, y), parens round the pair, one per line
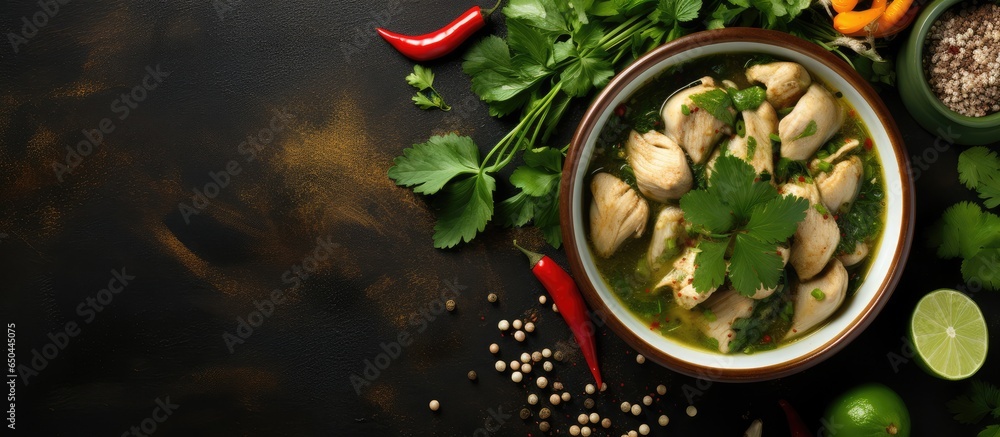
(855, 314)
(920, 100)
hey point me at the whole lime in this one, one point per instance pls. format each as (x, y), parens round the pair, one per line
(870, 410)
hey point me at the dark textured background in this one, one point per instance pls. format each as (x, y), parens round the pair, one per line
(323, 176)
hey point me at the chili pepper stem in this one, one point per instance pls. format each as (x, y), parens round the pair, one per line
(533, 257)
(488, 12)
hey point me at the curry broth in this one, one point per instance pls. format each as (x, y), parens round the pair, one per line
(625, 272)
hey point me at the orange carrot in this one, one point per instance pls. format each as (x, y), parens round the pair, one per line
(844, 5)
(897, 16)
(893, 14)
(853, 21)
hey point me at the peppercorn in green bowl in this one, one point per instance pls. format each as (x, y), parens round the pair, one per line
(919, 97)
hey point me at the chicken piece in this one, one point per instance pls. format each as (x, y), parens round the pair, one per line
(668, 235)
(762, 292)
(835, 157)
(617, 212)
(857, 255)
(817, 112)
(760, 124)
(811, 310)
(839, 187)
(816, 236)
(698, 131)
(727, 306)
(710, 164)
(680, 281)
(661, 170)
(786, 82)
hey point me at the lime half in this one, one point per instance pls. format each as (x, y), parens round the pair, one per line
(949, 334)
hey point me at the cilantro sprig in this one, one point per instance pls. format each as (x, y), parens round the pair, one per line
(982, 399)
(743, 219)
(426, 97)
(967, 231)
(554, 53)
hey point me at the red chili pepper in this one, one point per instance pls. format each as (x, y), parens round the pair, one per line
(570, 303)
(439, 42)
(795, 425)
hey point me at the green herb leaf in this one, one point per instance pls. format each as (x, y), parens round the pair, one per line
(710, 265)
(984, 266)
(976, 165)
(489, 54)
(990, 431)
(544, 158)
(776, 220)
(748, 99)
(421, 78)
(724, 15)
(465, 208)
(671, 12)
(755, 264)
(541, 14)
(702, 208)
(966, 229)
(516, 210)
(732, 182)
(810, 130)
(533, 181)
(717, 103)
(427, 167)
(974, 406)
(523, 38)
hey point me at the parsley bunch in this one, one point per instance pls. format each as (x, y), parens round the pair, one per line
(966, 230)
(555, 52)
(742, 220)
(983, 399)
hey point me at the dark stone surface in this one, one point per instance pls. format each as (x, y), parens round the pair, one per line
(318, 172)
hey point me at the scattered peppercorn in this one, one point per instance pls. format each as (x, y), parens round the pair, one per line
(434, 405)
(691, 410)
(525, 414)
(472, 375)
(664, 420)
(492, 297)
(661, 389)
(450, 305)
(588, 403)
(543, 426)
(640, 359)
(544, 413)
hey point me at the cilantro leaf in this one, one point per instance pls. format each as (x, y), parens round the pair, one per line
(724, 15)
(544, 158)
(983, 266)
(976, 165)
(710, 265)
(544, 15)
(717, 103)
(523, 38)
(754, 264)
(966, 229)
(974, 406)
(990, 431)
(776, 220)
(809, 131)
(533, 181)
(427, 167)
(490, 54)
(421, 78)
(702, 208)
(423, 101)
(466, 206)
(547, 216)
(733, 183)
(747, 99)
(585, 71)
(671, 12)
(516, 210)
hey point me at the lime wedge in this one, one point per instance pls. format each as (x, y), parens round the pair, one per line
(949, 334)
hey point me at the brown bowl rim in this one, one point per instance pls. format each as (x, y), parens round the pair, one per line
(602, 103)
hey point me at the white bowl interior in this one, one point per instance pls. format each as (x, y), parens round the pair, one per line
(881, 265)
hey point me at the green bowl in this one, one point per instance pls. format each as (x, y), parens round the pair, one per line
(920, 100)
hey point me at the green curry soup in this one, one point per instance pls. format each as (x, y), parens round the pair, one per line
(627, 271)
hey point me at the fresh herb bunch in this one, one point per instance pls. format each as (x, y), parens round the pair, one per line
(966, 230)
(742, 220)
(983, 399)
(555, 52)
